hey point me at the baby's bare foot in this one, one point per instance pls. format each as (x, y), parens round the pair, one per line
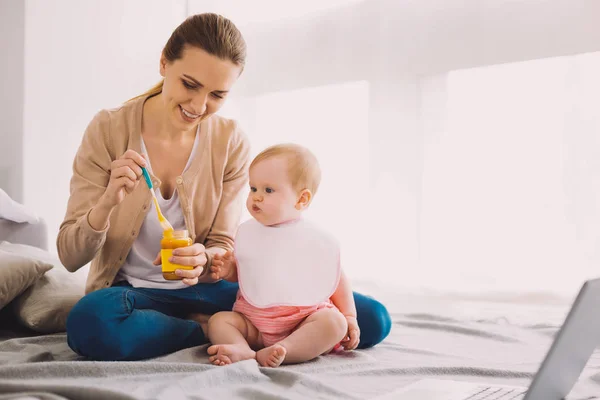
(271, 356)
(223, 354)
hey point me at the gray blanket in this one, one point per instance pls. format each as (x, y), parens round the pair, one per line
(499, 343)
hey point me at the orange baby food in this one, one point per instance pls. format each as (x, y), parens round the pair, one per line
(173, 240)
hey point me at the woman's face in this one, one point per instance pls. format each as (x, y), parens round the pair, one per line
(195, 86)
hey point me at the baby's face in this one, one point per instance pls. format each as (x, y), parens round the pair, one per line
(272, 199)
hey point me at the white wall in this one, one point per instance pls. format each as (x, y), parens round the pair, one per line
(12, 38)
(415, 38)
(80, 57)
(84, 56)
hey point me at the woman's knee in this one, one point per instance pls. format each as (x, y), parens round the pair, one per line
(373, 319)
(91, 323)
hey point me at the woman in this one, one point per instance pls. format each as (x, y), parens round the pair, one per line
(198, 162)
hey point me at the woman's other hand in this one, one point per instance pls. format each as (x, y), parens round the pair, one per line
(193, 256)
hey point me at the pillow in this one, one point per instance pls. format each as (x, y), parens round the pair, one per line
(44, 306)
(17, 273)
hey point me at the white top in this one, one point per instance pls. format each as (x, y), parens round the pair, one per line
(292, 264)
(138, 269)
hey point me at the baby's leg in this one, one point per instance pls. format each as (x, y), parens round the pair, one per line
(231, 335)
(317, 334)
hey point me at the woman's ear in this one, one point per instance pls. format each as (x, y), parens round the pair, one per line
(304, 199)
(163, 65)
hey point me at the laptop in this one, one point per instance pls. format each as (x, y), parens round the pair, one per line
(572, 347)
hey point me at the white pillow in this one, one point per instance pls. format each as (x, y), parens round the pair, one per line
(44, 306)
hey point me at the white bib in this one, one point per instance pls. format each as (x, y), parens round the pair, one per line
(295, 264)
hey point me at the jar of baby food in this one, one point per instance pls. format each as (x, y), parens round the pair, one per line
(173, 240)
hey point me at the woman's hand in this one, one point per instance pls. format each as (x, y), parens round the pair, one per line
(125, 173)
(193, 256)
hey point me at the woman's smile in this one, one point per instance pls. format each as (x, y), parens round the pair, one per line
(188, 116)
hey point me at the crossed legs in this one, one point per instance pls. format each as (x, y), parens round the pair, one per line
(235, 338)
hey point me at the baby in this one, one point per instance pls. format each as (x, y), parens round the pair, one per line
(294, 303)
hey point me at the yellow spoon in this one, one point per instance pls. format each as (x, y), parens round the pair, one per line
(161, 218)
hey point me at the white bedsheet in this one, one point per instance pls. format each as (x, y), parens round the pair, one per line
(433, 336)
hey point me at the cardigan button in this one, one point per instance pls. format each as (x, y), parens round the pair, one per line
(179, 180)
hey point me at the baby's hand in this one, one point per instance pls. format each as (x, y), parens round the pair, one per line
(353, 336)
(223, 267)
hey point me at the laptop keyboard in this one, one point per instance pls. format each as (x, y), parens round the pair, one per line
(493, 393)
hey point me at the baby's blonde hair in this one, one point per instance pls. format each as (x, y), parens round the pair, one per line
(303, 167)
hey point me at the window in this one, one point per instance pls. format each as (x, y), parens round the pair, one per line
(510, 186)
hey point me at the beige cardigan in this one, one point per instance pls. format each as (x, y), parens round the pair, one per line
(211, 192)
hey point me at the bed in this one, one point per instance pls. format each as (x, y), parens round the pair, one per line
(433, 336)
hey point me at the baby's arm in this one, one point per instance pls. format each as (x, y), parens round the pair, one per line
(343, 299)
(224, 267)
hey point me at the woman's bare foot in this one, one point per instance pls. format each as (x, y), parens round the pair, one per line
(223, 354)
(271, 356)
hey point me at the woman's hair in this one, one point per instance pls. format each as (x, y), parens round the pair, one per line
(210, 32)
(303, 167)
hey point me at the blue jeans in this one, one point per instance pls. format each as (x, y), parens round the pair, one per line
(127, 323)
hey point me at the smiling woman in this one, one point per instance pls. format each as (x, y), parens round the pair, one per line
(196, 86)
(198, 164)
